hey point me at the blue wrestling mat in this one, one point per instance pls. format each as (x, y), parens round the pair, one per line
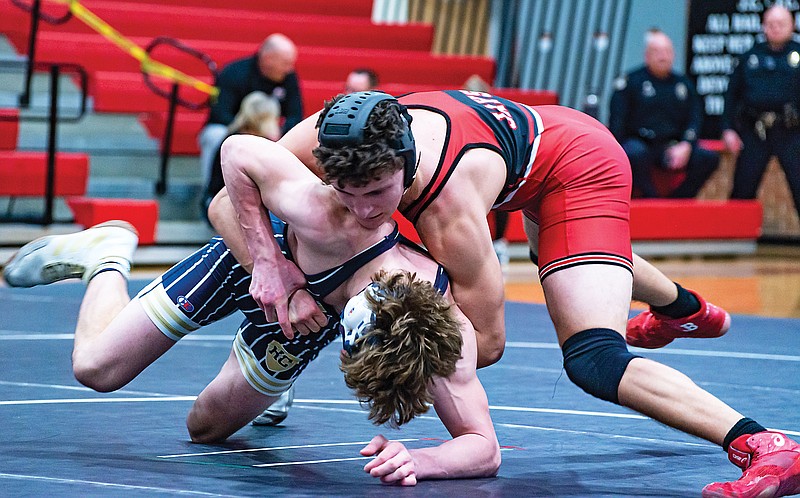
(61, 439)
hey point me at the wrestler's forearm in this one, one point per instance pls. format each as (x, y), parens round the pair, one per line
(246, 206)
(484, 305)
(223, 219)
(470, 455)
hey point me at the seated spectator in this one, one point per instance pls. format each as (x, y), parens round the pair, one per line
(656, 115)
(361, 80)
(259, 115)
(270, 70)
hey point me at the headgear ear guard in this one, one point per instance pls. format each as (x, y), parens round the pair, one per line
(357, 318)
(345, 122)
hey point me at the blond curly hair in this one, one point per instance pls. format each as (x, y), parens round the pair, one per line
(414, 337)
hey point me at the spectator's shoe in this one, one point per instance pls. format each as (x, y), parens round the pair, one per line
(278, 411)
(75, 255)
(652, 330)
(771, 467)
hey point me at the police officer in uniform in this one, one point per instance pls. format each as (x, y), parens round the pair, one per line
(656, 115)
(761, 115)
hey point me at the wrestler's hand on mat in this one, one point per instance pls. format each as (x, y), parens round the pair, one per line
(393, 463)
(271, 285)
(305, 314)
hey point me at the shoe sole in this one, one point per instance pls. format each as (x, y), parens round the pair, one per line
(37, 244)
(785, 484)
(766, 488)
(117, 224)
(28, 248)
(268, 421)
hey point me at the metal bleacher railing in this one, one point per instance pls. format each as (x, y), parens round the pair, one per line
(150, 68)
(52, 117)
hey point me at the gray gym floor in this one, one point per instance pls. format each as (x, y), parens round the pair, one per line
(60, 439)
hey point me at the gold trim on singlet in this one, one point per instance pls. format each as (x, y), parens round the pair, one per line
(163, 313)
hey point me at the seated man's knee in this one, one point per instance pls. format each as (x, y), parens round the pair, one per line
(595, 360)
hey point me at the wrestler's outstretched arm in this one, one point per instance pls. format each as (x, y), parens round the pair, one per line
(461, 404)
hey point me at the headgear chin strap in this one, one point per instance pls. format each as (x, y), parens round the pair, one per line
(345, 122)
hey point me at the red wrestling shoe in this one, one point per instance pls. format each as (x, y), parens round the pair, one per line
(771, 465)
(653, 330)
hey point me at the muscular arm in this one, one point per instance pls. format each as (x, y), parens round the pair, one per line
(261, 173)
(460, 240)
(461, 403)
(223, 218)
(300, 141)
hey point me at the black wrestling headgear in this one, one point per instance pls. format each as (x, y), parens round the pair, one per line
(345, 122)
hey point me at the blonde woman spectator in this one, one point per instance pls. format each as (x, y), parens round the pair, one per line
(258, 115)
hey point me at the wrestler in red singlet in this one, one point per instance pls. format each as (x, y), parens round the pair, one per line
(564, 175)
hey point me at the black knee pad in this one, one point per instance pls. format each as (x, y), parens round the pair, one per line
(595, 360)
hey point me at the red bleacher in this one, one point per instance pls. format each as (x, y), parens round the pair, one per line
(25, 173)
(345, 8)
(9, 129)
(188, 124)
(141, 213)
(664, 220)
(313, 62)
(227, 24)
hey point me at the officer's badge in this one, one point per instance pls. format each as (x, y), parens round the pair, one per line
(620, 83)
(794, 58)
(769, 63)
(681, 91)
(647, 89)
(752, 61)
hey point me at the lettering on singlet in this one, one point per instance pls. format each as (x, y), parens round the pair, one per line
(476, 120)
(278, 359)
(495, 107)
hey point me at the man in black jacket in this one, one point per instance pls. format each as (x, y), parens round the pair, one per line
(270, 70)
(656, 115)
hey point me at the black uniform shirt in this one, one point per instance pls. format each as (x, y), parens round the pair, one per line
(763, 80)
(655, 109)
(242, 77)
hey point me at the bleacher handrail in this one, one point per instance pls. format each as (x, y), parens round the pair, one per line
(34, 7)
(149, 67)
(64, 67)
(177, 44)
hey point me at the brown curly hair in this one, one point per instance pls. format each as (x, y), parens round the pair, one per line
(414, 338)
(357, 166)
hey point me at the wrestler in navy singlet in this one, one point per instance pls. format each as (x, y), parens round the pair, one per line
(210, 285)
